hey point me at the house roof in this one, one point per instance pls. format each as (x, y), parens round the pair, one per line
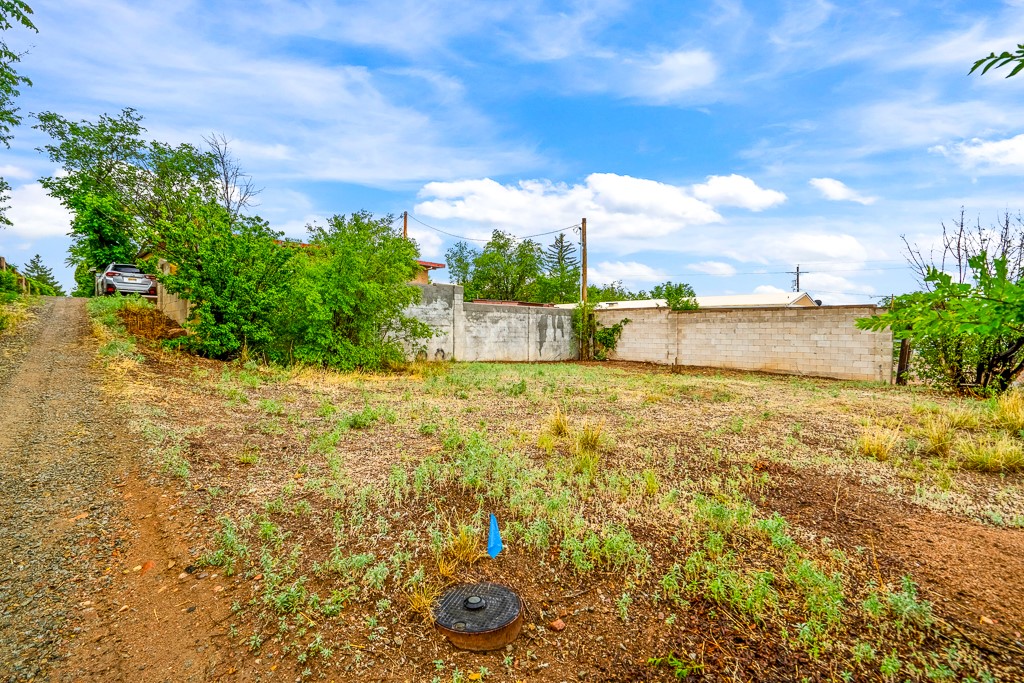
(785, 299)
(430, 265)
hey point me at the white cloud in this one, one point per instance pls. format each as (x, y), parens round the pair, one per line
(662, 78)
(769, 289)
(737, 190)
(629, 272)
(430, 243)
(780, 246)
(837, 191)
(35, 214)
(834, 289)
(919, 121)
(716, 268)
(295, 117)
(1007, 153)
(10, 171)
(616, 206)
(799, 24)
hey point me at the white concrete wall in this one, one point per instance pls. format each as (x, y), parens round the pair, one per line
(819, 341)
(491, 332)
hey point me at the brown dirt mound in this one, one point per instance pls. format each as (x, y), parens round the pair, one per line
(150, 324)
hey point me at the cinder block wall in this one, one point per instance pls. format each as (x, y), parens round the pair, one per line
(490, 332)
(819, 341)
(175, 308)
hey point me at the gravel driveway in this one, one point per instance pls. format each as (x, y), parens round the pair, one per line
(60, 454)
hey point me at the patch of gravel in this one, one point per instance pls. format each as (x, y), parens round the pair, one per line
(59, 460)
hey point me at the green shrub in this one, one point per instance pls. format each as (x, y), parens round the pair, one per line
(350, 291)
(9, 282)
(235, 273)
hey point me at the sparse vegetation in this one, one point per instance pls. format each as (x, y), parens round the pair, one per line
(374, 496)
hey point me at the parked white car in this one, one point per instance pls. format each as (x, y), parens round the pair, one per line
(125, 278)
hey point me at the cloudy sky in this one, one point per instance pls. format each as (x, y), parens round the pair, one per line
(715, 143)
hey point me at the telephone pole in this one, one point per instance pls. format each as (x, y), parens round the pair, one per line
(405, 224)
(796, 282)
(583, 234)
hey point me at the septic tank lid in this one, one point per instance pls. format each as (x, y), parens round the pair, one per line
(479, 616)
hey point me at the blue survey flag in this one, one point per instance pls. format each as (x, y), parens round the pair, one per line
(494, 544)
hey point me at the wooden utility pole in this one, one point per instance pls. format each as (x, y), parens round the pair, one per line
(583, 233)
(405, 224)
(584, 314)
(796, 283)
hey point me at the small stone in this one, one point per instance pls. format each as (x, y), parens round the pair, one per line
(557, 625)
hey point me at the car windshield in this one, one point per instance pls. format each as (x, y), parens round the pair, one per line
(124, 268)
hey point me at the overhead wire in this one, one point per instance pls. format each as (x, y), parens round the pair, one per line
(481, 239)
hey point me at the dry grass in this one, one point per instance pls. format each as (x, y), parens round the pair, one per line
(447, 568)
(558, 423)
(421, 601)
(939, 435)
(1008, 411)
(963, 416)
(878, 442)
(464, 547)
(992, 453)
(591, 438)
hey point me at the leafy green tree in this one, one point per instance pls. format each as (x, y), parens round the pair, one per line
(100, 233)
(43, 275)
(236, 274)
(613, 291)
(680, 296)
(506, 269)
(986, 312)
(460, 260)
(560, 283)
(949, 357)
(350, 294)
(120, 187)
(12, 13)
(1002, 59)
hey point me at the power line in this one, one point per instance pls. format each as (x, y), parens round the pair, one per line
(479, 239)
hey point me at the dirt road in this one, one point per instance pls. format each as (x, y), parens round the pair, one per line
(59, 459)
(92, 552)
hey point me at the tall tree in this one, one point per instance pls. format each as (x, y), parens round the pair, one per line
(119, 186)
(40, 273)
(12, 13)
(613, 291)
(235, 188)
(506, 269)
(560, 283)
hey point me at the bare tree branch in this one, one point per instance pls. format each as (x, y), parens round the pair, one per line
(235, 190)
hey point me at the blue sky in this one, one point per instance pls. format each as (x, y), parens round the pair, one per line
(715, 143)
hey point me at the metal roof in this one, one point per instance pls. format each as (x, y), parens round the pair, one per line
(772, 299)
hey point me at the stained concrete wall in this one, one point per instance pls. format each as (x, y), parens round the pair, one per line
(820, 341)
(491, 332)
(175, 308)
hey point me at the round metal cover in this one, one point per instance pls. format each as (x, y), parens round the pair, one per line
(479, 616)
